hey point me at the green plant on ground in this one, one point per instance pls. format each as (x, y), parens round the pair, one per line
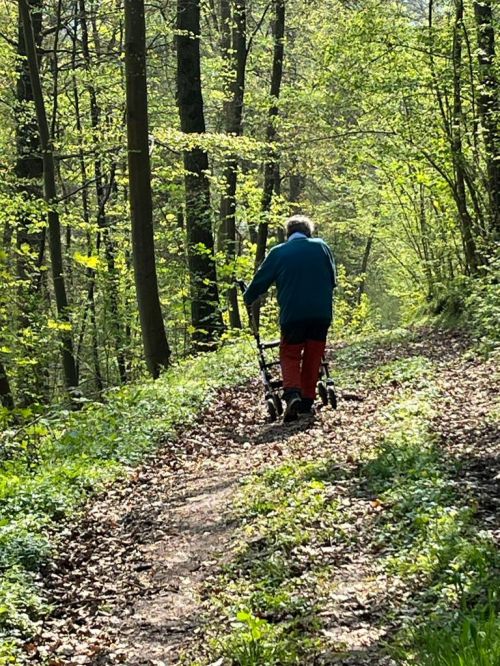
(287, 514)
(414, 370)
(426, 536)
(482, 306)
(254, 642)
(49, 468)
(20, 604)
(471, 639)
(351, 361)
(430, 530)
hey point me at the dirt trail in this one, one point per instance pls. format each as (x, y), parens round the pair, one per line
(126, 587)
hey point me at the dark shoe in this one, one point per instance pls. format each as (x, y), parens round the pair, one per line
(306, 407)
(293, 401)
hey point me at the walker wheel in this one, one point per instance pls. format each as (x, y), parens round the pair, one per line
(322, 392)
(332, 397)
(271, 408)
(278, 404)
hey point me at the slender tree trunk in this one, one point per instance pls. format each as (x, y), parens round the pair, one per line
(280, 231)
(489, 106)
(364, 267)
(205, 313)
(456, 144)
(234, 50)
(91, 274)
(29, 165)
(95, 348)
(102, 221)
(296, 187)
(156, 349)
(50, 194)
(426, 246)
(452, 123)
(270, 165)
(6, 399)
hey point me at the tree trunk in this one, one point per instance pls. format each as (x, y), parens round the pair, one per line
(29, 165)
(156, 349)
(489, 106)
(426, 242)
(270, 165)
(295, 187)
(89, 305)
(50, 194)
(30, 243)
(101, 197)
(364, 267)
(95, 349)
(6, 399)
(205, 313)
(234, 51)
(466, 221)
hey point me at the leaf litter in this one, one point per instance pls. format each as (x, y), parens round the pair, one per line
(135, 577)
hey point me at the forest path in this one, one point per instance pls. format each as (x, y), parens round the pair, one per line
(129, 586)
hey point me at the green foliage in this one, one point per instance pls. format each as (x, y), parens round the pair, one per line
(424, 530)
(20, 605)
(482, 306)
(402, 371)
(255, 641)
(472, 639)
(22, 543)
(433, 537)
(77, 453)
(353, 315)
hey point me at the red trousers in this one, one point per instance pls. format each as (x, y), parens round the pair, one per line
(300, 365)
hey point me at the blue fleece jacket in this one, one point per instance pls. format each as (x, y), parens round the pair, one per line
(304, 272)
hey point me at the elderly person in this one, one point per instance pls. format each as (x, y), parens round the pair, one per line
(303, 269)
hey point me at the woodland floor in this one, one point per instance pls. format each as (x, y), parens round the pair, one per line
(135, 578)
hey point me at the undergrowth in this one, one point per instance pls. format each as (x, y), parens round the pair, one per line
(48, 469)
(297, 522)
(294, 530)
(474, 304)
(434, 543)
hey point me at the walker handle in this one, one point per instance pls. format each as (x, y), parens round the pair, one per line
(243, 286)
